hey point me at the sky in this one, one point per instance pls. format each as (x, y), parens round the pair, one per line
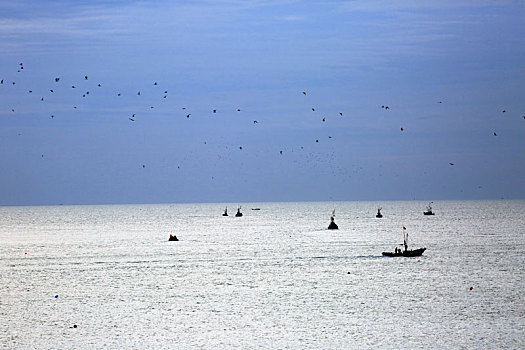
(300, 91)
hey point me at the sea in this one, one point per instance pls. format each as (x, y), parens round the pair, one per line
(106, 277)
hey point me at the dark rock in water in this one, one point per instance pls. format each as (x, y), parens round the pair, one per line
(173, 238)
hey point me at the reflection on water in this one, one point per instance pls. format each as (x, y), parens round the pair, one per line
(275, 278)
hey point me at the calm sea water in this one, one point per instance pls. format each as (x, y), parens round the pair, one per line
(275, 278)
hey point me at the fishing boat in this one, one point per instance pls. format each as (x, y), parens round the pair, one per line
(333, 225)
(379, 215)
(173, 238)
(406, 252)
(225, 212)
(239, 214)
(429, 209)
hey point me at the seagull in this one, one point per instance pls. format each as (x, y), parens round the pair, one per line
(72, 86)
(255, 122)
(85, 77)
(341, 114)
(99, 85)
(51, 90)
(30, 91)
(214, 111)
(304, 92)
(281, 152)
(131, 119)
(451, 163)
(238, 110)
(324, 119)
(386, 107)
(118, 94)
(42, 99)
(240, 147)
(503, 111)
(155, 83)
(188, 115)
(52, 116)
(313, 109)
(402, 129)
(165, 91)
(495, 134)
(316, 140)
(57, 80)
(143, 166)
(138, 93)
(2, 81)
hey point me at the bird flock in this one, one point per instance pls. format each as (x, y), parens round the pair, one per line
(85, 89)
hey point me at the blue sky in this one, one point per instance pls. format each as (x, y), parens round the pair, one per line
(446, 69)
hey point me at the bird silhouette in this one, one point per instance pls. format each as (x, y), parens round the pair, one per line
(451, 163)
(495, 134)
(138, 93)
(99, 85)
(255, 122)
(402, 129)
(188, 115)
(341, 114)
(238, 109)
(304, 92)
(214, 111)
(324, 119)
(155, 83)
(313, 109)
(85, 77)
(57, 80)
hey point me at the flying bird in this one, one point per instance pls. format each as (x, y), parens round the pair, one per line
(402, 129)
(341, 114)
(99, 85)
(495, 134)
(255, 122)
(57, 80)
(188, 115)
(313, 109)
(304, 92)
(138, 93)
(85, 77)
(451, 163)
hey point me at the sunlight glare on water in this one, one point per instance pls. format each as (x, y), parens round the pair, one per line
(274, 278)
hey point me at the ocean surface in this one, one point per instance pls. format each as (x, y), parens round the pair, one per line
(275, 278)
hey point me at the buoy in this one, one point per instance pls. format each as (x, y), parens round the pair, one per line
(419, 261)
(471, 288)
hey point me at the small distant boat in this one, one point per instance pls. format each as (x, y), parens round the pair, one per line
(239, 214)
(379, 215)
(429, 209)
(225, 212)
(333, 225)
(256, 208)
(173, 238)
(406, 252)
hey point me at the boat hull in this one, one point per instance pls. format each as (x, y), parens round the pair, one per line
(406, 253)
